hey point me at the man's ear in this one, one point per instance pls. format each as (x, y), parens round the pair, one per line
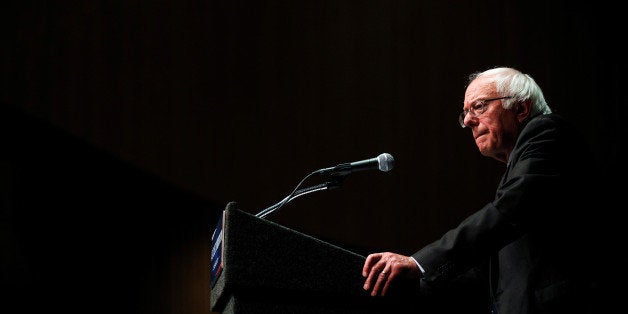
(523, 110)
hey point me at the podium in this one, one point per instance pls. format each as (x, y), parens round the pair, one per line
(268, 268)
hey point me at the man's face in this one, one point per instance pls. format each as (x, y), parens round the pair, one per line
(495, 131)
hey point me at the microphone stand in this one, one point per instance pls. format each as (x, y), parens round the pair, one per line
(335, 181)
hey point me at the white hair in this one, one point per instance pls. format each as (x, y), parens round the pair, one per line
(521, 86)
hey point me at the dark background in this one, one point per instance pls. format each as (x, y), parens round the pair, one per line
(128, 125)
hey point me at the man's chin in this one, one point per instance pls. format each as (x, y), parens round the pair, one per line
(483, 149)
(480, 144)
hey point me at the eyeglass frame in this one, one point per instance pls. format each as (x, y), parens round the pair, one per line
(479, 111)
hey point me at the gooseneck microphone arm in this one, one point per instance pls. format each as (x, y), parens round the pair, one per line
(334, 182)
(335, 176)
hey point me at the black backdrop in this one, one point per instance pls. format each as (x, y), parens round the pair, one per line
(239, 100)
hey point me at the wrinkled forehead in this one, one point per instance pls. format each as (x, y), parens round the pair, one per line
(481, 87)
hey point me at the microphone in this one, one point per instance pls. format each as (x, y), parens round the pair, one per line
(384, 162)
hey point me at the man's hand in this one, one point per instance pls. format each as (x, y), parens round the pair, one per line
(381, 269)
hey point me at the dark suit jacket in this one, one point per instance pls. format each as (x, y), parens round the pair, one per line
(528, 250)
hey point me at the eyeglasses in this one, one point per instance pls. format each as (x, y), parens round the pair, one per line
(476, 109)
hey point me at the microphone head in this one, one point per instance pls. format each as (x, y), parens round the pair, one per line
(385, 162)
